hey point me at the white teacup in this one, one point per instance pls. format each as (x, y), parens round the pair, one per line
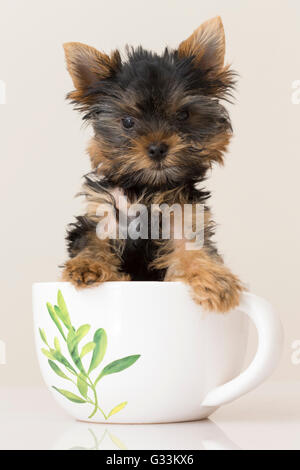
(149, 354)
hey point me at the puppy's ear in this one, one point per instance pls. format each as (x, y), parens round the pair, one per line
(206, 46)
(87, 66)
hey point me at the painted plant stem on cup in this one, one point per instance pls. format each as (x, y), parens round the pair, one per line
(73, 369)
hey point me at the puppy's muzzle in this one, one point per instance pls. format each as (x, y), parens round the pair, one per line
(158, 151)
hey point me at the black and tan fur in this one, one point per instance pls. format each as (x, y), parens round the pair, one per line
(174, 99)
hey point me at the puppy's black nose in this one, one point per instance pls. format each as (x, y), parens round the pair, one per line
(158, 151)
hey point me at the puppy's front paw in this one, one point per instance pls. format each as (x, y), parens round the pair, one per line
(83, 272)
(218, 292)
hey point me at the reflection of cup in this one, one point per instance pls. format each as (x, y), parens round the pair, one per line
(204, 435)
(156, 356)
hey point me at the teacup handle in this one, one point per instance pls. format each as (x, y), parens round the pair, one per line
(270, 343)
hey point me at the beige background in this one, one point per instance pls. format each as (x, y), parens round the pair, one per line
(42, 147)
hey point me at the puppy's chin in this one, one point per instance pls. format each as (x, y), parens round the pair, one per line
(160, 177)
(146, 178)
(157, 177)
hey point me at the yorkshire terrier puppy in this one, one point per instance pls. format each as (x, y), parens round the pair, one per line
(159, 125)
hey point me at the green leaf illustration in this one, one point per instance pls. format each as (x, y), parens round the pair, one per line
(61, 316)
(85, 384)
(43, 336)
(57, 370)
(87, 349)
(69, 395)
(82, 385)
(63, 310)
(117, 408)
(56, 344)
(118, 366)
(57, 355)
(78, 336)
(82, 332)
(71, 340)
(48, 354)
(73, 350)
(74, 337)
(55, 319)
(100, 339)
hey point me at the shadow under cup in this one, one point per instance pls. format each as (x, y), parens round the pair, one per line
(143, 352)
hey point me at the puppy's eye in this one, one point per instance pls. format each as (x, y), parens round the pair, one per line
(183, 115)
(128, 122)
